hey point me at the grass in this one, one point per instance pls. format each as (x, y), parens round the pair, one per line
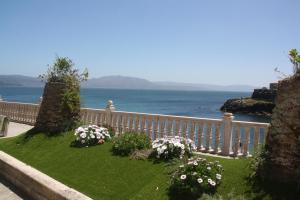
(95, 172)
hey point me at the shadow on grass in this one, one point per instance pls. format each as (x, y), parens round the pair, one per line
(27, 136)
(265, 189)
(175, 193)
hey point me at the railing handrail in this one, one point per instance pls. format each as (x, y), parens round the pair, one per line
(21, 103)
(168, 116)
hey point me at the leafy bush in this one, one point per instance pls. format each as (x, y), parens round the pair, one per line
(91, 135)
(127, 143)
(259, 165)
(196, 177)
(173, 147)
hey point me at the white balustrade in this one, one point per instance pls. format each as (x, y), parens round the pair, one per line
(216, 136)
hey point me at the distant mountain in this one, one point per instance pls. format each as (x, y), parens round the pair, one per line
(198, 86)
(19, 81)
(123, 82)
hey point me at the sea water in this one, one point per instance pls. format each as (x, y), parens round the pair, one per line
(183, 103)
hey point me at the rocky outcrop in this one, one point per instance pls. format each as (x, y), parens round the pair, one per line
(248, 106)
(262, 102)
(264, 94)
(284, 136)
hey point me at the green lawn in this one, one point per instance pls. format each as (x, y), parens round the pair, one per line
(97, 173)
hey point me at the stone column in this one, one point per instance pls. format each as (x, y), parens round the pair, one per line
(108, 112)
(227, 130)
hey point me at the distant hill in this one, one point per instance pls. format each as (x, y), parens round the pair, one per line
(123, 82)
(19, 81)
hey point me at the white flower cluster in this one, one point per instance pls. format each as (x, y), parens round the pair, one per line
(198, 175)
(91, 134)
(168, 146)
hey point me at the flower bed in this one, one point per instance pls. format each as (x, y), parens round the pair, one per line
(173, 147)
(91, 135)
(197, 176)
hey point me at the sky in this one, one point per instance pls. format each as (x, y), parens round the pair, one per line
(193, 41)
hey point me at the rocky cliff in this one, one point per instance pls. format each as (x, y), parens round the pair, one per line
(262, 102)
(248, 106)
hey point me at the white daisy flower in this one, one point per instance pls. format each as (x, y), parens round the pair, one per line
(200, 180)
(213, 183)
(183, 177)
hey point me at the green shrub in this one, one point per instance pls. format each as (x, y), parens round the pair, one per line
(258, 165)
(196, 177)
(127, 143)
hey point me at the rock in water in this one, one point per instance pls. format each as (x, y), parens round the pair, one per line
(248, 106)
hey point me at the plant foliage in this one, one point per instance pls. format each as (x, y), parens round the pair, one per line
(127, 143)
(195, 177)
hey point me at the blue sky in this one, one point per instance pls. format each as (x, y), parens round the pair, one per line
(213, 41)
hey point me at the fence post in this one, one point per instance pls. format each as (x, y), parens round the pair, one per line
(108, 112)
(40, 100)
(227, 121)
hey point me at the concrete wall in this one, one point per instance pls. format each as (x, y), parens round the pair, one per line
(34, 183)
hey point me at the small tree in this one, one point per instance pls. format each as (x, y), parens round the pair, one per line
(60, 108)
(295, 59)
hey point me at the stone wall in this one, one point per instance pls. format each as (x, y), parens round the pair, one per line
(52, 117)
(284, 137)
(264, 94)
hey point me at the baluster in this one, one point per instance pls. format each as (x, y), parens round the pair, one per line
(200, 136)
(192, 132)
(184, 129)
(246, 142)
(31, 114)
(117, 124)
(256, 138)
(84, 115)
(137, 123)
(177, 127)
(162, 126)
(156, 127)
(217, 138)
(95, 116)
(149, 127)
(121, 124)
(208, 137)
(126, 128)
(170, 127)
(143, 124)
(237, 140)
(131, 119)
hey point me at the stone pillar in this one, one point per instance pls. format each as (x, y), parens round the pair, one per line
(54, 116)
(227, 130)
(284, 135)
(108, 112)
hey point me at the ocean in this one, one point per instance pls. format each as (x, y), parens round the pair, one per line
(184, 103)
